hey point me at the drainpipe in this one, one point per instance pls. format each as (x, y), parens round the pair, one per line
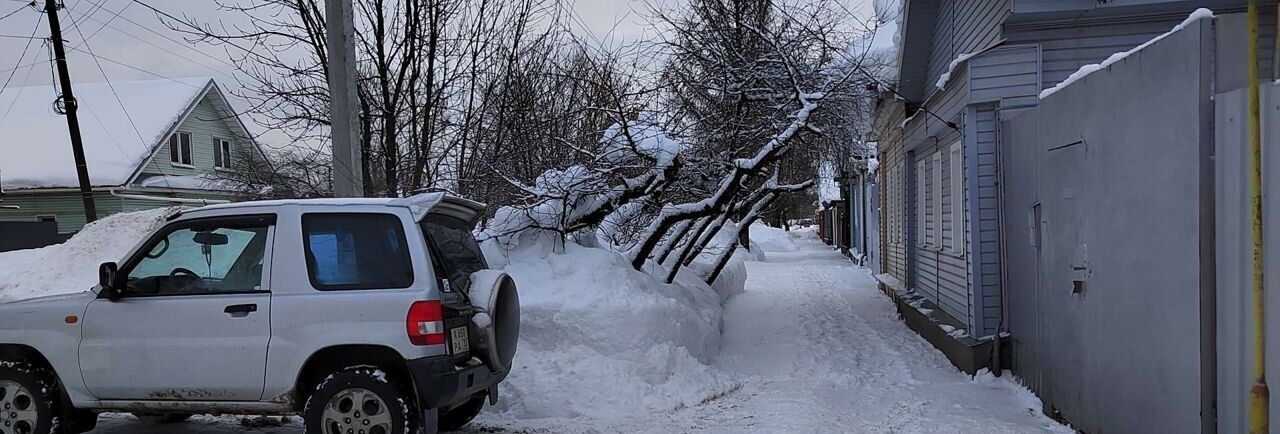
(1259, 396)
(117, 193)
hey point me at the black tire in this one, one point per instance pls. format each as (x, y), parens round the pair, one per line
(398, 405)
(39, 393)
(460, 416)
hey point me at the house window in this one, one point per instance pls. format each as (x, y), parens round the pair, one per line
(180, 148)
(957, 198)
(221, 153)
(937, 200)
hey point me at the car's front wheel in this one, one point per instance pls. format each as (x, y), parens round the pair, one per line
(26, 399)
(358, 400)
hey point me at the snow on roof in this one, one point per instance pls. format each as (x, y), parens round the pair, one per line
(1084, 71)
(36, 145)
(881, 44)
(951, 69)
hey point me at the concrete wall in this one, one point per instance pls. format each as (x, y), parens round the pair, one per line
(1103, 223)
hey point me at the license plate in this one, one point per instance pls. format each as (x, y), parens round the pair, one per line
(459, 339)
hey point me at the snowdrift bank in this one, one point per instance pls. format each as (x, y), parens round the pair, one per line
(73, 266)
(601, 340)
(772, 239)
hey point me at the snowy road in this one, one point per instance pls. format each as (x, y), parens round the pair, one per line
(817, 349)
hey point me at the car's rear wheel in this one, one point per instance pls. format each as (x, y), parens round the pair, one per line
(358, 400)
(26, 399)
(460, 416)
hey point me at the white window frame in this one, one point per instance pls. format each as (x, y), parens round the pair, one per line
(221, 153)
(957, 199)
(179, 152)
(937, 200)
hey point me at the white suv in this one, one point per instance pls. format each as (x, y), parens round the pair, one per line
(373, 316)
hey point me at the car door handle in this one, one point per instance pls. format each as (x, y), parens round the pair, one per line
(241, 309)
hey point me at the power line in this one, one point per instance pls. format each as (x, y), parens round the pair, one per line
(224, 41)
(16, 11)
(15, 69)
(109, 20)
(92, 10)
(126, 65)
(141, 141)
(18, 95)
(166, 50)
(21, 66)
(19, 37)
(162, 35)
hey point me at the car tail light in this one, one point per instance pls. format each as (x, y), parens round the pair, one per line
(426, 323)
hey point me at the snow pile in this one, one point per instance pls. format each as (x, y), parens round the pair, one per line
(601, 340)
(73, 266)
(771, 239)
(1084, 71)
(732, 280)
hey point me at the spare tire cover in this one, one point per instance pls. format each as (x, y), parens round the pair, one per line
(494, 293)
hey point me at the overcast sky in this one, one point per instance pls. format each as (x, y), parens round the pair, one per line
(137, 39)
(130, 42)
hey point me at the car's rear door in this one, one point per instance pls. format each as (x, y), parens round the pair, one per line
(193, 323)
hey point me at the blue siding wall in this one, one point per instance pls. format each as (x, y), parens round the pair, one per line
(1009, 74)
(987, 264)
(939, 275)
(964, 26)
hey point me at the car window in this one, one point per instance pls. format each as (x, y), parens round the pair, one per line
(200, 259)
(456, 246)
(356, 251)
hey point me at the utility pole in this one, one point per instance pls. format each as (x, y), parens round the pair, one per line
(339, 34)
(1259, 394)
(69, 108)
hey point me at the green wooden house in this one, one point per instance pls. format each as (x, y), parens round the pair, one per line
(148, 144)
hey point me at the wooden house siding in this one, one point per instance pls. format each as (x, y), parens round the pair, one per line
(941, 276)
(962, 27)
(206, 122)
(937, 274)
(66, 207)
(1009, 75)
(986, 263)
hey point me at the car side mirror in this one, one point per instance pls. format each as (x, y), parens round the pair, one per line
(107, 273)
